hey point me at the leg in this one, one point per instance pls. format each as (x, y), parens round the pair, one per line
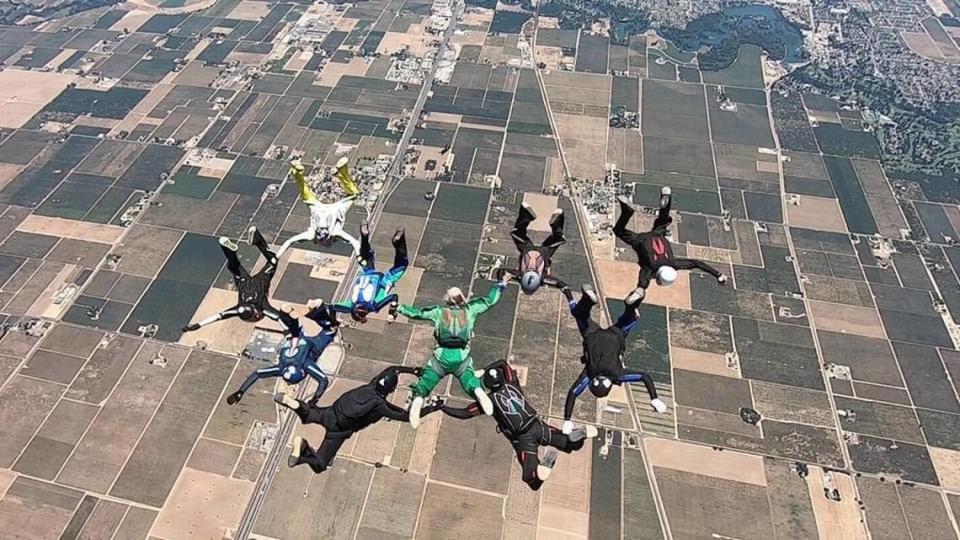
(555, 438)
(225, 314)
(581, 310)
(271, 257)
(233, 263)
(519, 233)
(662, 223)
(367, 256)
(272, 371)
(626, 214)
(527, 447)
(275, 315)
(400, 260)
(628, 319)
(429, 379)
(391, 300)
(556, 238)
(472, 386)
(320, 459)
(318, 375)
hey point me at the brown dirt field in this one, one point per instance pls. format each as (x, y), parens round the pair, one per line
(702, 362)
(548, 22)
(332, 72)
(68, 228)
(887, 214)
(247, 59)
(617, 278)
(817, 213)
(841, 318)
(470, 37)
(922, 44)
(625, 149)
(835, 520)
(824, 117)
(702, 460)
(93, 121)
(7, 173)
(250, 11)
(425, 444)
(872, 178)
(583, 96)
(196, 74)
(768, 166)
(491, 55)
(444, 117)
(543, 206)
(474, 16)
(554, 174)
(60, 58)
(344, 24)
(808, 165)
(550, 56)
(565, 499)
(584, 143)
(152, 99)
(603, 246)
(947, 464)
(414, 38)
(298, 61)
(202, 505)
(228, 337)
(132, 20)
(573, 79)
(428, 153)
(24, 93)
(6, 478)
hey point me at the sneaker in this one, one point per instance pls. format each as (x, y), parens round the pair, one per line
(298, 447)
(586, 432)
(342, 162)
(484, 400)
(664, 197)
(365, 228)
(190, 327)
(228, 243)
(665, 191)
(547, 462)
(233, 398)
(252, 230)
(398, 236)
(286, 400)
(587, 290)
(415, 406)
(635, 297)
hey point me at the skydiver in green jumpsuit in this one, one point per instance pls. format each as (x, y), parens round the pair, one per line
(453, 324)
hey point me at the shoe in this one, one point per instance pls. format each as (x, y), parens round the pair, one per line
(586, 432)
(252, 230)
(635, 297)
(587, 290)
(365, 228)
(484, 401)
(658, 405)
(664, 197)
(415, 406)
(665, 191)
(568, 294)
(190, 327)
(556, 216)
(529, 209)
(298, 447)
(228, 243)
(234, 397)
(342, 162)
(626, 205)
(398, 236)
(547, 462)
(284, 399)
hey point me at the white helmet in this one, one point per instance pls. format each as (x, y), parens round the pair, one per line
(530, 282)
(454, 297)
(666, 275)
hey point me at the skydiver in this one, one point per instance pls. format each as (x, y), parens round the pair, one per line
(326, 219)
(534, 266)
(253, 302)
(520, 424)
(299, 354)
(453, 323)
(372, 290)
(654, 252)
(350, 413)
(603, 350)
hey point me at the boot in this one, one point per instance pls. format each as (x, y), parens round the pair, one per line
(547, 462)
(287, 401)
(228, 243)
(299, 445)
(484, 401)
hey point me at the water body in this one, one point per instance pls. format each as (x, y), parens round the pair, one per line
(756, 24)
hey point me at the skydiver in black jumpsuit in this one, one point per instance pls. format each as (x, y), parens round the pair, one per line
(603, 352)
(654, 252)
(519, 422)
(534, 266)
(350, 413)
(253, 302)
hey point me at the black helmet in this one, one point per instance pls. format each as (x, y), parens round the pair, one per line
(387, 383)
(493, 378)
(600, 386)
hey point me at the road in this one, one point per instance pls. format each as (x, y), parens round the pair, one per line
(265, 479)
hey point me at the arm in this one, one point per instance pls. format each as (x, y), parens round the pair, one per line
(478, 306)
(690, 264)
(574, 392)
(463, 413)
(291, 324)
(397, 370)
(431, 313)
(551, 281)
(391, 411)
(344, 306)
(305, 236)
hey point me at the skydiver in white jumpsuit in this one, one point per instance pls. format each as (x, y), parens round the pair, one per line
(326, 219)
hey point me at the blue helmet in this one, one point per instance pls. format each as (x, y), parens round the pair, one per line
(293, 374)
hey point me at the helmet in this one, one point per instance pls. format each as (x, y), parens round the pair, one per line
(323, 235)
(359, 313)
(250, 313)
(600, 386)
(387, 384)
(293, 374)
(492, 378)
(454, 297)
(666, 275)
(530, 282)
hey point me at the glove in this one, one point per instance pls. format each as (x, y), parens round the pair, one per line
(567, 427)
(418, 371)
(658, 405)
(722, 279)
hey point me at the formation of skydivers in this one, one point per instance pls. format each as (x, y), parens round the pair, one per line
(495, 388)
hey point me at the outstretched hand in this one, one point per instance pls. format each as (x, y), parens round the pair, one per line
(722, 279)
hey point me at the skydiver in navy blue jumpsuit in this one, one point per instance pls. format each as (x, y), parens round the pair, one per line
(299, 353)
